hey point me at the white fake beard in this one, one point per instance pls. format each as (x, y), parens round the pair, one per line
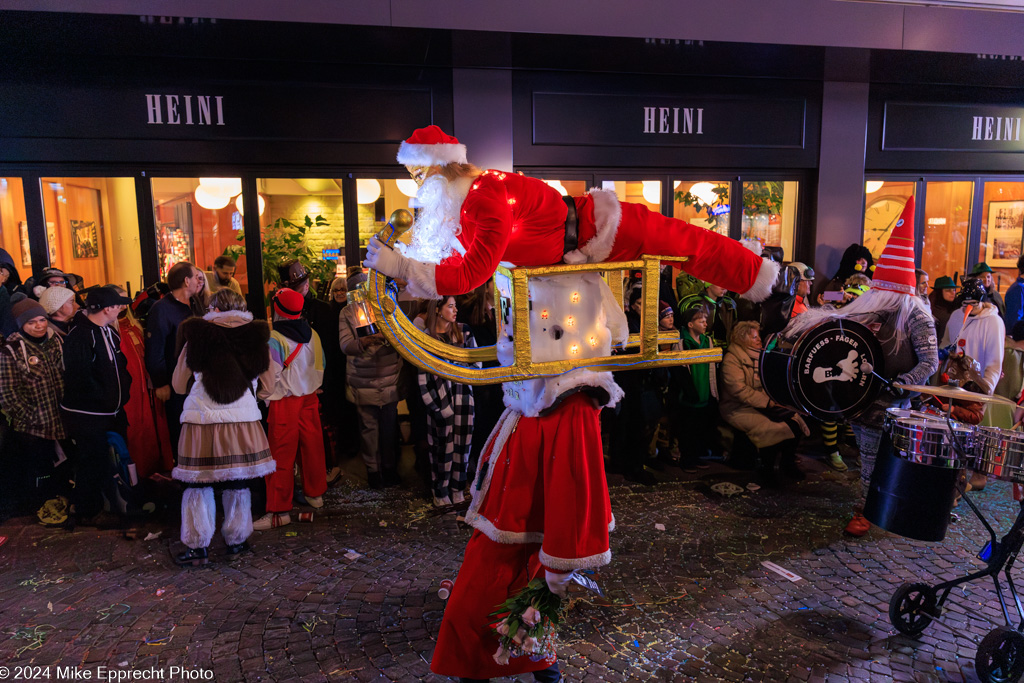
(437, 226)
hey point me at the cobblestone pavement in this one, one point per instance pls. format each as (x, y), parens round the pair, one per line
(691, 602)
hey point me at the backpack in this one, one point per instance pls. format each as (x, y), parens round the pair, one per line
(145, 299)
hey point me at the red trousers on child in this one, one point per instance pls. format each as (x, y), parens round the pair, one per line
(294, 429)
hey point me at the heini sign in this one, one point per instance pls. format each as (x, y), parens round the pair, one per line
(1003, 128)
(190, 110)
(666, 120)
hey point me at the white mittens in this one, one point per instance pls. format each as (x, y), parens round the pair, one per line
(384, 259)
(558, 583)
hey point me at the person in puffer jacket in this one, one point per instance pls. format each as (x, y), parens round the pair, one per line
(294, 424)
(222, 444)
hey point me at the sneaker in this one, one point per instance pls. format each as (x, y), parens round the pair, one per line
(458, 497)
(858, 526)
(272, 520)
(316, 502)
(835, 461)
(442, 502)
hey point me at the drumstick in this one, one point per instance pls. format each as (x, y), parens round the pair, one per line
(1014, 427)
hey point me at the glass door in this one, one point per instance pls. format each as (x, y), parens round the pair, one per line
(1002, 229)
(14, 226)
(947, 222)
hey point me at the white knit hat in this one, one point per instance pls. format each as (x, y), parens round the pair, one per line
(53, 298)
(431, 146)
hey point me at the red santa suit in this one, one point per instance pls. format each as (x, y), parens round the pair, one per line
(540, 500)
(499, 216)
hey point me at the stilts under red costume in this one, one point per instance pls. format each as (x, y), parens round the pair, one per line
(540, 501)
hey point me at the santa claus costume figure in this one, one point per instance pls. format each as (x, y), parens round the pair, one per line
(540, 500)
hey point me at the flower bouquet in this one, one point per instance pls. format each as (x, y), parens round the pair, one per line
(527, 623)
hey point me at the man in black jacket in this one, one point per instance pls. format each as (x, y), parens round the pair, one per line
(96, 389)
(161, 341)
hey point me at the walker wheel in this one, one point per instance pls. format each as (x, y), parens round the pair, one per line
(912, 607)
(1000, 657)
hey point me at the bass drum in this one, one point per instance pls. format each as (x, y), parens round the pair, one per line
(826, 372)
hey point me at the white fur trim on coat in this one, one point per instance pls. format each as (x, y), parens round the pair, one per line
(607, 216)
(229, 474)
(431, 155)
(532, 397)
(420, 283)
(569, 564)
(493, 446)
(766, 277)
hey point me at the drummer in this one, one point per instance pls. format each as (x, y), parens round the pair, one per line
(904, 327)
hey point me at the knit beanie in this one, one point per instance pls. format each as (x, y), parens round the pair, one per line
(53, 298)
(25, 310)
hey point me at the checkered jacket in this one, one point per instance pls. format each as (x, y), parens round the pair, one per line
(31, 384)
(449, 404)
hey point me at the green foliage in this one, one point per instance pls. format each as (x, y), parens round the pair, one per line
(284, 241)
(758, 197)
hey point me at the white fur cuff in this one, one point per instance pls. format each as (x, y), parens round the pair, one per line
(570, 563)
(766, 277)
(607, 216)
(421, 282)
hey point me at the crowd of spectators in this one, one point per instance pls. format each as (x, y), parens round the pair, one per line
(199, 392)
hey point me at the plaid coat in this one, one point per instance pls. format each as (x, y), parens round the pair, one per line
(31, 384)
(449, 425)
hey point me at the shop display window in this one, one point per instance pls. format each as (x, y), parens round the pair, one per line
(1002, 229)
(14, 224)
(377, 198)
(883, 203)
(197, 220)
(92, 229)
(704, 203)
(947, 222)
(645, 192)
(769, 213)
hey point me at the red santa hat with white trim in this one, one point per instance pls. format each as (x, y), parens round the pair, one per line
(894, 270)
(431, 146)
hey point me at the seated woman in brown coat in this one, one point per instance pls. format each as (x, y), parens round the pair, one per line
(775, 430)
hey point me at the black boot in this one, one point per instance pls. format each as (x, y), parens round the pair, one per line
(375, 480)
(193, 557)
(787, 461)
(238, 548)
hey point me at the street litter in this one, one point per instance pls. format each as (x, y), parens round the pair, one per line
(727, 489)
(352, 555)
(785, 573)
(152, 536)
(659, 527)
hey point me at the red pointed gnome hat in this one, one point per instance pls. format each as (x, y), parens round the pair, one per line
(431, 146)
(894, 270)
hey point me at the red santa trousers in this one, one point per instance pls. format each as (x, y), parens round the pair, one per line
(544, 496)
(294, 429)
(490, 574)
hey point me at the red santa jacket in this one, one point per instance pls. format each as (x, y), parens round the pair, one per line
(515, 218)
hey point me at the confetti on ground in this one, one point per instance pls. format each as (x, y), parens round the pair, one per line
(36, 635)
(659, 527)
(39, 583)
(309, 624)
(352, 555)
(157, 641)
(114, 610)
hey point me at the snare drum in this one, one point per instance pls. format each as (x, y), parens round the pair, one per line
(925, 440)
(826, 372)
(1000, 454)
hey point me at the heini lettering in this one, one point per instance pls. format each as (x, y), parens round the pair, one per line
(190, 110)
(666, 120)
(999, 128)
